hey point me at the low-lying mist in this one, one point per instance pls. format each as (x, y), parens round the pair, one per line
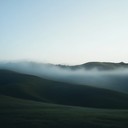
(116, 79)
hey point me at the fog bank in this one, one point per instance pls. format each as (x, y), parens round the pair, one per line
(116, 79)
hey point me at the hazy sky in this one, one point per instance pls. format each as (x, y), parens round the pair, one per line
(64, 31)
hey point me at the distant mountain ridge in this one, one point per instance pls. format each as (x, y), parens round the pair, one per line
(88, 65)
(97, 65)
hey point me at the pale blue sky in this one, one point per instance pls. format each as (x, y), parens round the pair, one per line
(64, 31)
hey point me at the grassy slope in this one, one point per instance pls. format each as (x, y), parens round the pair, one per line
(18, 113)
(21, 104)
(34, 88)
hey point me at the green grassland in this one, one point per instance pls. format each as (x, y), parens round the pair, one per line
(20, 113)
(29, 101)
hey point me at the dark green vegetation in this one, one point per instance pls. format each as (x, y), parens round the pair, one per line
(35, 88)
(17, 113)
(29, 101)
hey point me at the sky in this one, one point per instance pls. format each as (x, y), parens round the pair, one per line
(64, 31)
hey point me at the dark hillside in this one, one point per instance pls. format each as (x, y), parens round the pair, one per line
(38, 89)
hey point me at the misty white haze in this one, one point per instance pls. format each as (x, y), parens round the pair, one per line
(116, 79)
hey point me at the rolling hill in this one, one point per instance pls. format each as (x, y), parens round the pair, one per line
(20, 113)
(38, 89)
(30, 101)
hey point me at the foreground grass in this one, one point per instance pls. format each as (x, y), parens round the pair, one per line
(17, 113)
